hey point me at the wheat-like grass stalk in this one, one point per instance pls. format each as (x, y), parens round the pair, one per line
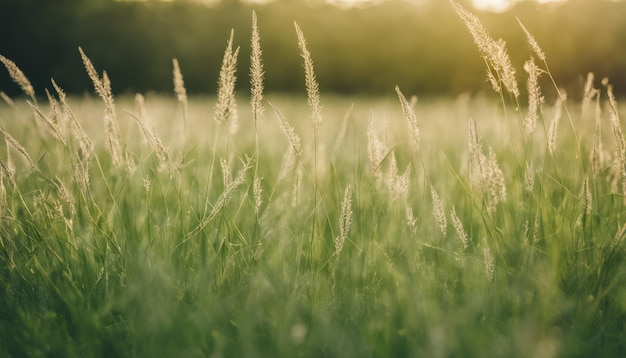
(345, 221)
(257, 191)
(458, 227)
(489, 262)
(535, 99)
(225, 109)
(226, 165)
(494, 182)
(295, 193)
(224, 198)
(312, 87)
(19, 78)
(586, 197)
(85, 144)
(18, 147)
(493, 52)
(52, 127)
(618, 136)
(376, 149)
(534, 46)
(3, 198)
(553, 130)
(256, 73)
(529, 178)
(409, 115)
(292, 137)
(438, 212)
(180, 91)
(411, 220)
(588, 94)
(153, 138)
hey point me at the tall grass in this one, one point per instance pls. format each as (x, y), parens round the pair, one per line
(122, 243)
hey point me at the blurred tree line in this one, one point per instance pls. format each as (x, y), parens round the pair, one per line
(425, 48)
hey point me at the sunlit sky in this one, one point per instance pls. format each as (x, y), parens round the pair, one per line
(491, 5)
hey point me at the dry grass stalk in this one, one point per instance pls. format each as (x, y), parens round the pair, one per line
(493, 52)
(3, 198)
(458, 227)
(589, 93)
(120, 155)
(552, 131)
(529, 178)
(6, 171)
(65, 195)
(297, 183)
(180, 91)
(398, 184)
(80, 168)
(256, 73)
(411, 220)
(153, 138)
(489, 261)
(48, 122)
(345, 221)
(288, 163)
(226, 165)
(292, 137)
(226, 107)
(84, 142)
(438, 212)
(18, 147)
(19, 78)
(535, 99)
(478, 161)
(7, 99)
(586, 197)
(597, 155)
(618, 136)
(494, 182)
(534, 46)
(409, 114)
(257, 190)
(312, 87)
(376, 149)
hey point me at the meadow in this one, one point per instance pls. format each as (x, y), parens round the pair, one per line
(284, 225)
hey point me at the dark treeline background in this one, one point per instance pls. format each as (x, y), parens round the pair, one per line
(425, 49)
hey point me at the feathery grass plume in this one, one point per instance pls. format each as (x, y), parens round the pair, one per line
(257, 190)
(588, 94)
(496, 188)
(180, 90)
(225, 197)
(226, 165)
(438, 212)
(375, 148)
(19, 78)
(586, 197)
(552, 131)
(80, 172)
(489, 261)
(288, 163)
(55, 116)
(226, 107)
(65, 195)
(256, 72)
(597, 157)
(153, 138)
(409, 114)
(618, 135)
(120, 156)
(312, 88)
(493, 52)
(529, 178)
(292, 137)
(478, 161)
(532, 42)
(52, 127)
(411, 220)
(7, 99)
(398, 184)
(458, 227)
(295, 193)
(17, 146)
(345, 221)
(535, 99)
(85, 144)
(6, 171)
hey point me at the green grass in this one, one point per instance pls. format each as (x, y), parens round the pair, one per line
(146, 263)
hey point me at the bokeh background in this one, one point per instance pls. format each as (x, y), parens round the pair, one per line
(364, 48)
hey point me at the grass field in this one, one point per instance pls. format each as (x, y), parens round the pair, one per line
(324, 226)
